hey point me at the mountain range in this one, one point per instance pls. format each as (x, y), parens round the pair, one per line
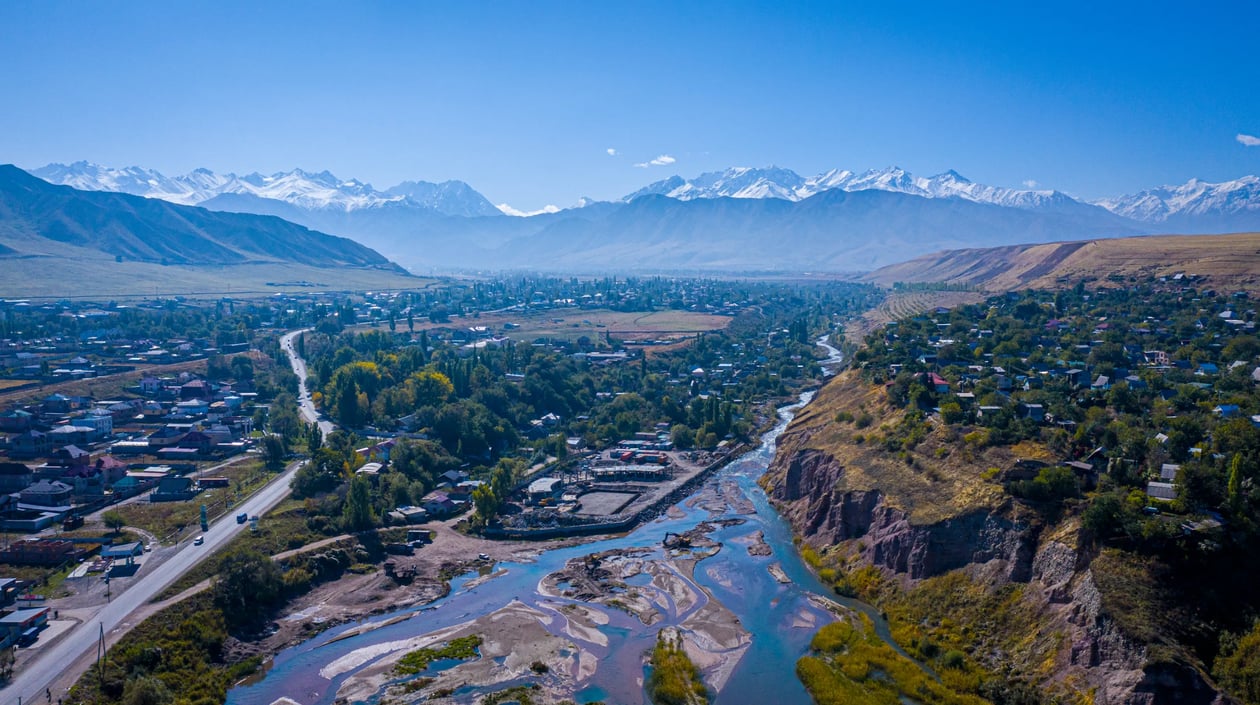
(1232, 204)
(311, 191)
(741, 218)
(39, 219)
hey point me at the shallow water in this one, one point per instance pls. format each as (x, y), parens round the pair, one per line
(780, 618)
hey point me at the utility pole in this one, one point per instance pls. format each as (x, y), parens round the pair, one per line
(100, 653)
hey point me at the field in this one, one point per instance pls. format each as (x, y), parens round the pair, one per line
(167, 520)
(570, 324)
(69, 278)
(106, 387)
(900, 305)
(1227, 261)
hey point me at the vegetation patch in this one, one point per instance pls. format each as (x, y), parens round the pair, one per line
(520, 694)
(849, 663)
(675, 680)
(176, 655)
(418, 661)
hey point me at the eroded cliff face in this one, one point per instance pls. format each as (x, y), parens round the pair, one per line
(811, 495)
(996, 544)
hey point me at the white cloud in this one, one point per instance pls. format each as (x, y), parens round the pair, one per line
(611, 152)
(1248, 140)
(509, 210)
(1030, 183)
(663, 160)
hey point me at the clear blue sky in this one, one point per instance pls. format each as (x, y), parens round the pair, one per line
(523, 100)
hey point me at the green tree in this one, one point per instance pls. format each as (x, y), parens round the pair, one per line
(273, 452)
(114, 520)
(357, 513)
(1234, 488)
(1238, 666)
(248, 585)
(485, 504)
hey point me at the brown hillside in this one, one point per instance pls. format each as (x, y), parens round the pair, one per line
(1226, 261)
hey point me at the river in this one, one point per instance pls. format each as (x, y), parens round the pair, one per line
(779, 618)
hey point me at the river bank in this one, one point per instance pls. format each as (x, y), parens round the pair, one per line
(743, 626)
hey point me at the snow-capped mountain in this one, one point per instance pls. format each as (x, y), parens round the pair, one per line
(1240, 197)
(776, 182)
(309, 191)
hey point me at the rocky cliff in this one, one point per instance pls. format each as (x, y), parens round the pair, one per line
(929, 511)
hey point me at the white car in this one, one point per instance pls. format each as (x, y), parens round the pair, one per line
(199, 540)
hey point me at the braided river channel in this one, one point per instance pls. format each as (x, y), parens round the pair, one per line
(738, 595)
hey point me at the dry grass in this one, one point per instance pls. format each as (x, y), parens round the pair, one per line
(933, 487)
(900, 305)
(104, 387)
(1228, 261)
(67, 277)
(169, 520)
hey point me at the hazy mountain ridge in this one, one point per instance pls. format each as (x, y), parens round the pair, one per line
(835, 230)
(734, 219)
(42, 219)
(1195, 204)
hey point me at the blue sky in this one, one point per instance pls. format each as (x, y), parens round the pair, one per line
(524, 100)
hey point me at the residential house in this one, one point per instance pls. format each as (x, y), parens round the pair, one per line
(15, 477)
(174, 489)
(1161, 490)
(16, 421)
(71, 457)
(438, 504)
(195, 389)
(1036, 412)
(47, 494)
(100, 421)
(150, 386)
(30, 444)
(68, 434)
(1227, 411)
(454, 477)
(56, 404)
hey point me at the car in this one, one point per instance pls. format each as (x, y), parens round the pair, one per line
(199, 540)
(242, 517)
(483, 556)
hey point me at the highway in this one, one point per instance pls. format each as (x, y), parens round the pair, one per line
(305, 405)
(75, 649)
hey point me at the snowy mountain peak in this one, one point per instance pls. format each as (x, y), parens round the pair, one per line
(777, 182)
(1238, 199)
(309, 190)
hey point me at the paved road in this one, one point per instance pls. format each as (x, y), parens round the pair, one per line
(47, 666)
(70, 655)
(306, 406)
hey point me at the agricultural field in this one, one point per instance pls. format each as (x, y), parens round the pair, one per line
(570, 324)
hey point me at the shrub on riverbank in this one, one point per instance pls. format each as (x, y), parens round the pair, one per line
(675, 679)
